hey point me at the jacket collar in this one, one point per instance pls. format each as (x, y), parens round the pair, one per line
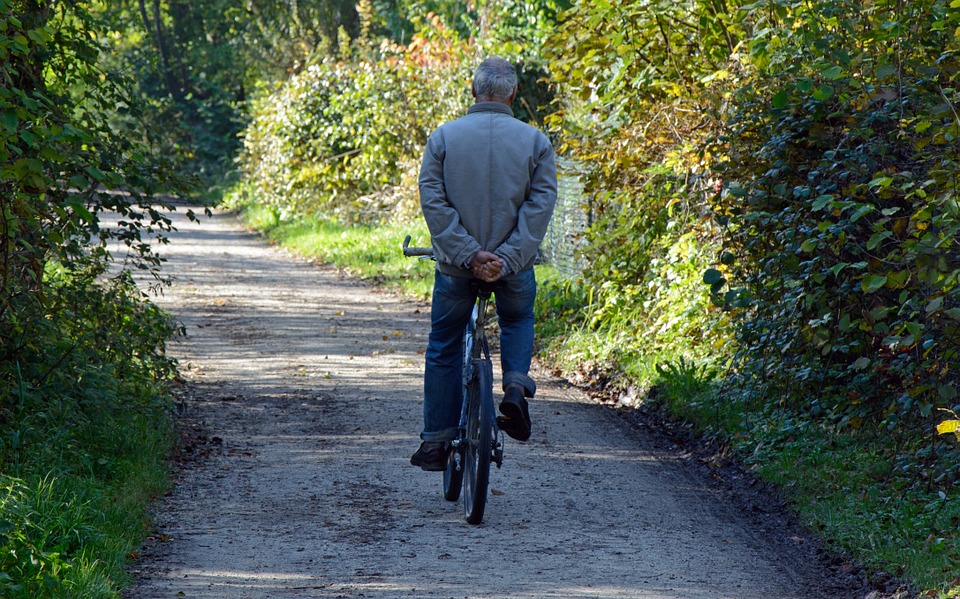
(490, 107)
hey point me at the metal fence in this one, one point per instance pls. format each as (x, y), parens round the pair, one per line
(562, 248)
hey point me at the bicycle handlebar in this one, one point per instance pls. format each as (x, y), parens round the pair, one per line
(415, 251)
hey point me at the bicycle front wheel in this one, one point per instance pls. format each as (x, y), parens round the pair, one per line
(478, 442)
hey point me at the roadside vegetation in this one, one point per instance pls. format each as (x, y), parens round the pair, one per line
(768, 248)
(85, 419)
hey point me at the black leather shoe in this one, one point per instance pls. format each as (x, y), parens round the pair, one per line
(432, 456)
(515, 419)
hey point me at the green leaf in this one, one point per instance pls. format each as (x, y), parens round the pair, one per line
(824, 92)
(844, 322)
(809, 245)
(934, 305)
(9, 120)
(872, 283)
(834, 72)
(897, 280)
(95, 173)
(737, 190)
(780, 100)
(712, 276)
(877, 239)
(953, 313)
(886, 70)
(914, 328)
(822, 201)
(862, 211)
(805, 85)
(81, 210)
(78, 182)
(861, 363)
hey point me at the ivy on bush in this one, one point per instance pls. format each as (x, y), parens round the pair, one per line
(840, 210)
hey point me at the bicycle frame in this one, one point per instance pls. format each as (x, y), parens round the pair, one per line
(475, 348)
(478, 439)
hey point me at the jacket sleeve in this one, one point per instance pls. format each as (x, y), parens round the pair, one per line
(451, 242)
(521, 246)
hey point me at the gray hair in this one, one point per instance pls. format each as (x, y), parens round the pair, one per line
(494, 78)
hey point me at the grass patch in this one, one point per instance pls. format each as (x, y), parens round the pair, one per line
(847, 486)
(590, 352)
(369, 252)
(88, 428)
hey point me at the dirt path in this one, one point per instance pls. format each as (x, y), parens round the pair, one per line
(308, 387)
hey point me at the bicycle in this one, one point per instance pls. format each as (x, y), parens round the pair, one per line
(479, 440)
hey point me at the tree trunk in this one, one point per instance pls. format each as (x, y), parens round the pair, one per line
(159, 37)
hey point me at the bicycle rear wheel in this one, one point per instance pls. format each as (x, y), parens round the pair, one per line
(478, 442)
(453, 475)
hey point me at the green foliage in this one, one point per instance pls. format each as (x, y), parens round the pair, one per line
(511, 29)
(344, 139)
(839, 203)
(807, 153)
(87, 419)
(31, 551)
(84, 417)
(635, 106)
(58, 154)
(101, 352)
(829, 130)
(196, 63)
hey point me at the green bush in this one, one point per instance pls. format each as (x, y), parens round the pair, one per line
(635, 107)
(839, 208)
(87, 429)
(85, 419)
(344, 138)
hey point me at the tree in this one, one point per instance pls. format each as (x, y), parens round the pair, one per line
(60, 153)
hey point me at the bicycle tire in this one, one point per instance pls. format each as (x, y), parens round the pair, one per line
(452, 477)
(478, 442)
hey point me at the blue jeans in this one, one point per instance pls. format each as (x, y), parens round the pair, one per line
(453, 301)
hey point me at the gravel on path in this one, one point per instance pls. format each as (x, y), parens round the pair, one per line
(305, 386)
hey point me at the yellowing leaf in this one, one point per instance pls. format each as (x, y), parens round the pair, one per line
(948, 426)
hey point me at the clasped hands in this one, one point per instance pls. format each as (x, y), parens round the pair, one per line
(487, 266)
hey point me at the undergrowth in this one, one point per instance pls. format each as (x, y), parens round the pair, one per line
(87, 432)
(887, 498)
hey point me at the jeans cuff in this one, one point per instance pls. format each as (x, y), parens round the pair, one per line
(529, 387)
(447, 434)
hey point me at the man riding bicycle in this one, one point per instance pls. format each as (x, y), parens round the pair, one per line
(488, 185)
